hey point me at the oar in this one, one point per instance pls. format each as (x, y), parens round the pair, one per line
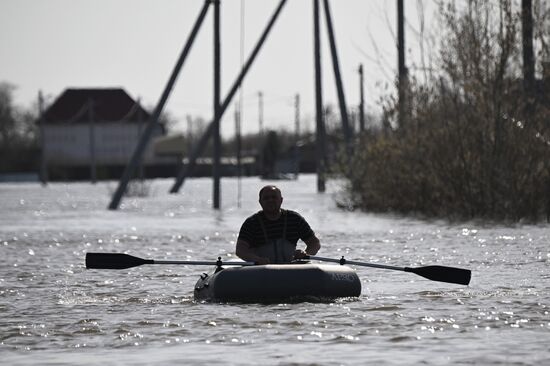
(122, 261)
(435, 273)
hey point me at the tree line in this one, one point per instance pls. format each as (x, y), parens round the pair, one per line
(19, 147)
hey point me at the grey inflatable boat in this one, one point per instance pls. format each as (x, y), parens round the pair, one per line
(278, 282)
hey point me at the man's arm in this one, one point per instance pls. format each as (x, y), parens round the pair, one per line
(312, 242)
(312, 245)
(243, 251)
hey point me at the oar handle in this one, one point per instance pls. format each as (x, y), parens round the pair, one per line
(204, 263)
(355, 263)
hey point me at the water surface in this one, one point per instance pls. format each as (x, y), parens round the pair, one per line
(54, 311)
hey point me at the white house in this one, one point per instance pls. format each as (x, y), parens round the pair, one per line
(89, 131)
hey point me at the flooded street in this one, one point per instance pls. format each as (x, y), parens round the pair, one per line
(55, 311)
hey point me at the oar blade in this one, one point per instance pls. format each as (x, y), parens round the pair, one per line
(113, 261)
(443, 274)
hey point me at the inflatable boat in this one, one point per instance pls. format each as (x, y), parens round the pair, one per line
(278, 282)
(300, 281)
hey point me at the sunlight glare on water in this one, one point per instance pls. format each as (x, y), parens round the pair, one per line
(57, 312)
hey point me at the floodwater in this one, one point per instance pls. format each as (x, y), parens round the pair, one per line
(56, 312)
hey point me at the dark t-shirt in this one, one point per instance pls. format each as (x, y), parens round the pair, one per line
(296, 228)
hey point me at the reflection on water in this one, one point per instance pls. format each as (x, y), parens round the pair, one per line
(52, 304)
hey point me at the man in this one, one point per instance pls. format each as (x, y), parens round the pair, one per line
(270, 236)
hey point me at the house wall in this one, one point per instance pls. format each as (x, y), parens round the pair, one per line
(69, 144)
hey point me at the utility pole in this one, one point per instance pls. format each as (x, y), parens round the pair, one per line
(238, 152)
(361, 101)
(261, 131)
(239, 114)
(217, 111)
(320, 124)
(190, 141)
(190, 136)
(141, 126)
(43, 162)
(297, 135)
(338, 78)
(402, 68)
(91, 118)
(261, 113)
(297, 116)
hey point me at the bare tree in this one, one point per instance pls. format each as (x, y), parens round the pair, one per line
(471, 150)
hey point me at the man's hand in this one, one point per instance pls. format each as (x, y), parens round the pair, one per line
(300, 254)
(244, 252)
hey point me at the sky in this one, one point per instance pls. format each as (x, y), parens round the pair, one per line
(51, 45)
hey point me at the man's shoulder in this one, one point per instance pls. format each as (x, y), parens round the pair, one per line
(252, 218)
(289, 213)
(294, 214)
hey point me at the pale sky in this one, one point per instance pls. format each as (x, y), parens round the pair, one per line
(51, 45)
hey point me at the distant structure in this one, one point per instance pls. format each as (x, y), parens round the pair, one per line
(91, 134)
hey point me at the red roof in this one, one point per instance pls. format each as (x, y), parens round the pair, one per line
(103, 105)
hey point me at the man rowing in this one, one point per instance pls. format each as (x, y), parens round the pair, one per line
(271, 235)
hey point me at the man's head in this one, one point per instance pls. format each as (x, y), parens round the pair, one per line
(271, 199)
